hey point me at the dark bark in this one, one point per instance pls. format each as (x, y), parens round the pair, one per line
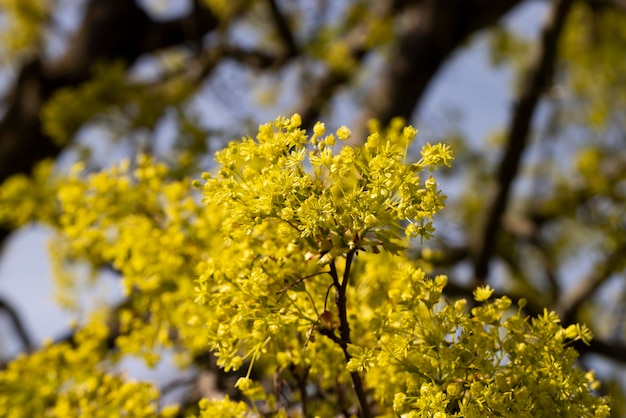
(111, 30)
(431, 31)
(612, 350)
(538, 79)
(344, 329)
(283, 29)
(570, 302)
(18, 325)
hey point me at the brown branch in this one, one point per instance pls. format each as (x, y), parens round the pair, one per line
(284, 31)
(344, 329)
(615, 351)
(317, 92)
(533, 305)
(568, 305)
(136, 34)
(443, 255)
(316, 95)
(518, 232)
(618, 5)
(430, 31)
(301, 378)
(177, 383)
(538, 79)
(22, 142)
(253, 59)
(18, 325)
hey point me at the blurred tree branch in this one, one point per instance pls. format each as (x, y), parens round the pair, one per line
(18, 324)
(616, 4)
(283, 29)
(430, 31)
(539, 76)
(568, 305)
(610, 349)
(23, 143)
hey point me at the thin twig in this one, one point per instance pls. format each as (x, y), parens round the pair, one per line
(319, 317)
(177, 383)
(284, 290)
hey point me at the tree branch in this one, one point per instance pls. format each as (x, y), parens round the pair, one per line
(430, 31)
(344, 329)
(619, 5)
(569, 303)
(538, 79)
(284, 31)
(18, 325)
(614, 350)
(22, 142)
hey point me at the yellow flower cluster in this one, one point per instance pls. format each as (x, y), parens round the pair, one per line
(23, 22)
(291, 265)
(62, 379)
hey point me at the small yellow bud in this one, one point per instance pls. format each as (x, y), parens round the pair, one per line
(370, 220)
(296, 120)
(459, 305)
(571, 332)
(287, 213)
(243, 384)
(399, 400)
(454, 389)
(483, 293)
(319, 129)
(236, 362)
(409, 132)
(343, 133)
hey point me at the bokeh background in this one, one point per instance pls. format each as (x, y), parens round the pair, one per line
(530, 94)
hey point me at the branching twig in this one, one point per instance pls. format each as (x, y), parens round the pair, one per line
(525, 233)
(284, 290)
(618, 5)
(23, 143)
(178, 383)
(328, 331)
